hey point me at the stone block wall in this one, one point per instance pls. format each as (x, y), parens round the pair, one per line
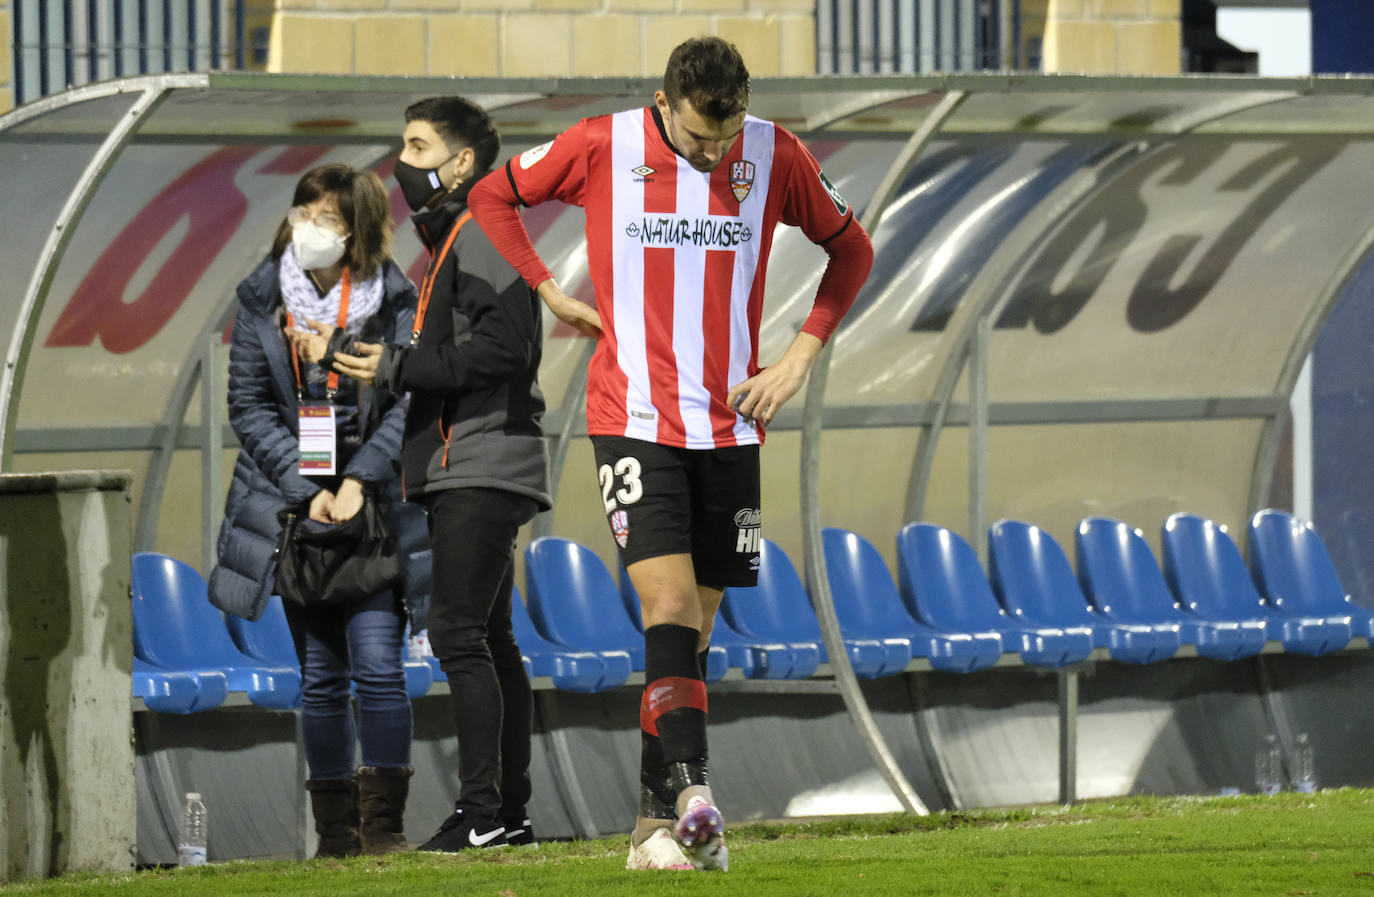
(532, 38)
(1107, 37)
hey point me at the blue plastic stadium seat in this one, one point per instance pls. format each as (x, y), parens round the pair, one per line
(574, 603)
(1121, 578)
(176, 628)
(1207, 574)
(759, 658)
(869, 606)
(167, 691)
(778, 610)
(1295, 574)
(1036, 586)
(268, 640)
(943, 585)
(570, 670)
(717, 658)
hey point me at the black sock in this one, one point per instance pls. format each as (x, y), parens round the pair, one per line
(702, 658)
(674, 704)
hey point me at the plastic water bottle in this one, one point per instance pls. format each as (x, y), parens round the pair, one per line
(195, 831)
(1304, 766)
(1268, 766)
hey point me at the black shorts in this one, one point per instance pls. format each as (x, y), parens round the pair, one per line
(662, 500)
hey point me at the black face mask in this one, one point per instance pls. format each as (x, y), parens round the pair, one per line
(418, 185)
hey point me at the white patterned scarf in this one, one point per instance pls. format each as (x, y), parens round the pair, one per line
(305, 302)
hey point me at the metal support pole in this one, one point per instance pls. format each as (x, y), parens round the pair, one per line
(1068, 735)
(212, 415)
(818, 582)
(154, 90)
(1266, 453)
(978, 437)
(818, 587)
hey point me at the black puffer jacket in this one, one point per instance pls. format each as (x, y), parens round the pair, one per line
(475, 402)
(263, 413)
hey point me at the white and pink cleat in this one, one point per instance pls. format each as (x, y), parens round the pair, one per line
(701, 830)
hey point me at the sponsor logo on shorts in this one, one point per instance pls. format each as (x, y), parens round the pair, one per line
(750, 524)
(620, 527)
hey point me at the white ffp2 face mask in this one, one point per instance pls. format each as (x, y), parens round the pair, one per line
(316, 247)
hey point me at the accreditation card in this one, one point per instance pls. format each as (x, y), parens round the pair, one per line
(317, 433)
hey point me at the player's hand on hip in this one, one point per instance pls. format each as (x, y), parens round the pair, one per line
(579, 315)
(759, 398)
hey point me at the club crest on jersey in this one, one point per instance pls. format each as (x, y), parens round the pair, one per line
(741, 179)
(620, 527)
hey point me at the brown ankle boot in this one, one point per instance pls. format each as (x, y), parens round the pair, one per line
(382, 796)
(334, 803)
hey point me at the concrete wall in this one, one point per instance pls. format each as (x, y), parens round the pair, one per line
(1103, 37)
(66, 646)
(6, 59)
(532, 38)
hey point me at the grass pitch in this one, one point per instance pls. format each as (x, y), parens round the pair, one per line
(1290, 844)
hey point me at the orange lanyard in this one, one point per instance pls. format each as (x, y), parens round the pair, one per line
(427, 285)
(331, 383)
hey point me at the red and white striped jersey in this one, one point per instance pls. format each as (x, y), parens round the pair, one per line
(678, 260)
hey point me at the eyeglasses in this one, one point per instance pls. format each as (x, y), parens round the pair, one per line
(328, 220)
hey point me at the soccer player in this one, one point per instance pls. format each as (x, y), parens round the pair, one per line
(681, 201)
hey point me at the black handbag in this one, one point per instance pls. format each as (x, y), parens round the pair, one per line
(323, 564)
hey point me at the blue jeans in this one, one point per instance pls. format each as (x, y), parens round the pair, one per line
(364, 643)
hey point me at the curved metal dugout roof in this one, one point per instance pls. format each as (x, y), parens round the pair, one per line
(1115, 277)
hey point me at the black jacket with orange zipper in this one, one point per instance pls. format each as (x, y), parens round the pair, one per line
(472, 375)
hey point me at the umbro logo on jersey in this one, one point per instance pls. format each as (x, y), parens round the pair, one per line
(741, 179)
(643, 171)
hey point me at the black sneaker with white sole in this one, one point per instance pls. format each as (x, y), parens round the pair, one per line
(519, 832)
(466, 831)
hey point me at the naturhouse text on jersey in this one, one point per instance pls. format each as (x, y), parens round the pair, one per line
(722, 233)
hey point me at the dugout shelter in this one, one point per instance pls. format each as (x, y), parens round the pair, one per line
(1091, 296)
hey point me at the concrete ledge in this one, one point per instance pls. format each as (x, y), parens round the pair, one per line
(66, 481)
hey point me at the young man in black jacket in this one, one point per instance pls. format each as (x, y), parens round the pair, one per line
(474, 454)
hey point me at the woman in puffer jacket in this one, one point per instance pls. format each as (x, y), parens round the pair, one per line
(331, 262)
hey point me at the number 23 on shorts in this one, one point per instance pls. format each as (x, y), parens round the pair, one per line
(632, 488)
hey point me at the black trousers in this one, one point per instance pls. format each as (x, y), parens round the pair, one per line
(472, 533)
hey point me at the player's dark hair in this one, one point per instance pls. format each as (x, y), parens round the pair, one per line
(461, 123)
(709, 73)
(364, 206)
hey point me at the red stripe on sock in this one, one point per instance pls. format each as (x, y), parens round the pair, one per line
(666, 695)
